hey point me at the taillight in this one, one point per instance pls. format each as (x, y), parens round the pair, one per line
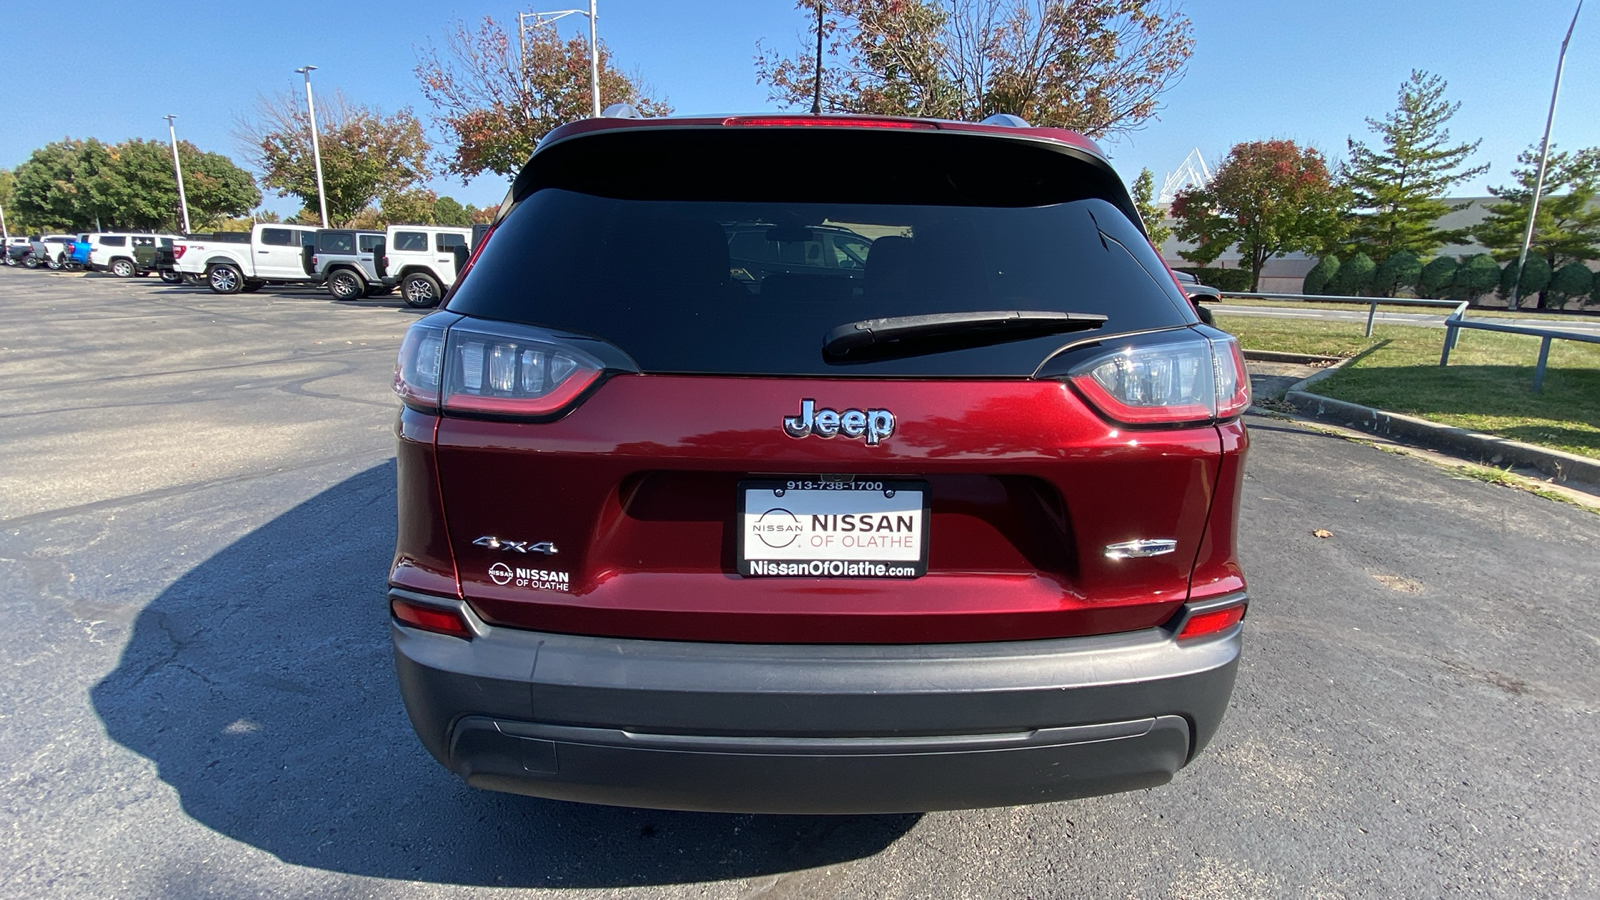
(1211, 621)
(313, 261)
(496, 370)
(430, 618)
(177, 251)
(1191, 380)
(386, 260)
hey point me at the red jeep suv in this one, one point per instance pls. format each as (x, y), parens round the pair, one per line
(817, 464)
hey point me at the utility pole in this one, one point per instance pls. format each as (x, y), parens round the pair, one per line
(177, 168)
(816, 89)
(544, 18)
(594, 61)
(316, 150)
(5, 235)
(1544, 158)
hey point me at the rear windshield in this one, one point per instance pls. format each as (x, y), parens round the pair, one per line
(751, 286)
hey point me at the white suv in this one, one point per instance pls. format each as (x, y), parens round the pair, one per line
(424, 260)
(124, 255)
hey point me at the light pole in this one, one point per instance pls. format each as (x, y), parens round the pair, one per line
(316, 150)
(816, 95)
(541, 18)
(5, 235)
(1544, 158)
(177, 168)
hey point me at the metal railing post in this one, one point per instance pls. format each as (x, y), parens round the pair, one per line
(1372, 313)
(1449, 339)
(1538, 370)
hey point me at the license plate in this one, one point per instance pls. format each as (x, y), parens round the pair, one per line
(810, 527)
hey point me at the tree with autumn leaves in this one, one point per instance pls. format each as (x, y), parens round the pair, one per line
(495, 103)
(367, 155)
(1096, 66)
(1268, 198)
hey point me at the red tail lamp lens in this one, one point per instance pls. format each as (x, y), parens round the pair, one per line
(1187, 381)
(491, 369)
(1212, 621)
(430, 618)
(177, 251)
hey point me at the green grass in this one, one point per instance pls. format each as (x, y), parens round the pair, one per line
(1487, 387)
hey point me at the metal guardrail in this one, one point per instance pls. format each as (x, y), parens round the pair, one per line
(1455, 322)
(1372, 303)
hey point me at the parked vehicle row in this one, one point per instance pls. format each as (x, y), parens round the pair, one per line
(421, 261)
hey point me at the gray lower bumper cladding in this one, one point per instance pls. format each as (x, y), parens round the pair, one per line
(808, 728)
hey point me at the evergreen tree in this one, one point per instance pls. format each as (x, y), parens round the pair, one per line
(1397, 187)
(1354, 278)
(1535, 277)
(1572, 281)
(1143, 191)
(1476, 276)
(1434, 282)
(1567, 228)
(1400, 270)
(1317, 279)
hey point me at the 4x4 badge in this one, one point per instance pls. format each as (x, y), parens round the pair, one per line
(872, 424)
(494, 543)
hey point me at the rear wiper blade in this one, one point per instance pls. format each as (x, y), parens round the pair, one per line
(937, 332)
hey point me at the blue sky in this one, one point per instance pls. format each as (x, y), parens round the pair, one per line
(1306, 71)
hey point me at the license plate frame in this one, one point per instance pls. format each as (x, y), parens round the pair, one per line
(895, 553)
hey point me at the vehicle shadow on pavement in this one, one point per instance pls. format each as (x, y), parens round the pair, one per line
(261, 685)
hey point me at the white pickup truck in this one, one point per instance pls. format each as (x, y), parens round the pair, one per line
(273, 256)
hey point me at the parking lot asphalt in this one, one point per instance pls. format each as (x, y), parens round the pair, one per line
(196, 520)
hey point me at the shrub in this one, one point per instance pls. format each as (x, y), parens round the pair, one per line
(1400, 270)
(1476, 276)
(1230, 280)
(1434, 282)
(1535, 278)
(1572, 281)
(1354, 278)
(1317, 279)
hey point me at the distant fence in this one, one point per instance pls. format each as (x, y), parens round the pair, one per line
(1371, 303)
(1453, 323)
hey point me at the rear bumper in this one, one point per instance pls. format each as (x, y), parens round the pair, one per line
(809, 728)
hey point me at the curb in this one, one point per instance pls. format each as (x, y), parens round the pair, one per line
(1276, 356)
(1484, 448)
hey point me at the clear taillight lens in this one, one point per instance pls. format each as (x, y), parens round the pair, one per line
(419, 372)
(499, 370)
(1192, 380)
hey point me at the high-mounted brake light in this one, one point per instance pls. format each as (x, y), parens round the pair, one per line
(491, 369)
(828, 122)
(1211, 621)
(1187, 381)
(430, 618)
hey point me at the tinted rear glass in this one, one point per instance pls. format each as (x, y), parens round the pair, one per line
(410, 241)
(751, 286)
(108, 241)
(278, 237)
(336, 242)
